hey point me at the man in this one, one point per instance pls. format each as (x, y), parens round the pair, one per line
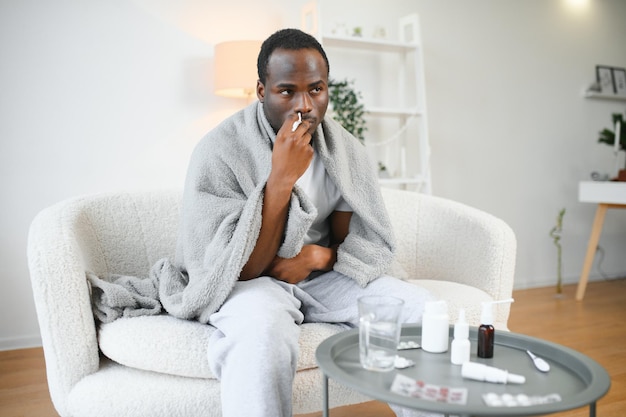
(282, 223)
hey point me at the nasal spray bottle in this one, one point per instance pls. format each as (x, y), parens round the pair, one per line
(486, 332)
(460, 348)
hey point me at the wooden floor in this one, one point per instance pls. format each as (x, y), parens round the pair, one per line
(594, 327)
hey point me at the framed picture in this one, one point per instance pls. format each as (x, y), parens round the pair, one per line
(409, 28)
(308, 18)
(604, 77)
(619, 81)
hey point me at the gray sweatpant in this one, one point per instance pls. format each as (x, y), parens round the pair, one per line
(255, 348)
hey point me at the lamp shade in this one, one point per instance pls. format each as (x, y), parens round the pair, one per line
(235, 68)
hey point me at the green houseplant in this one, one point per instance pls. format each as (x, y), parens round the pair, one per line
(607, 137)
(347, 108)
(555, 234)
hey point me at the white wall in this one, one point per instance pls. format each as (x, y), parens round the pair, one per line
(99, 96)
(510, 131)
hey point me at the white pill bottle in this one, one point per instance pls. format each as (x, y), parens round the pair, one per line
(435, 327)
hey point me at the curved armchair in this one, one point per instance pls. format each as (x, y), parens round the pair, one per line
(156, 365)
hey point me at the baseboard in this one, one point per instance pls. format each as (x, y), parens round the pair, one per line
(23, 342)
(566, 281)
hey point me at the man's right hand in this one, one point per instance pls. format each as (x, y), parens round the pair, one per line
(292, 152)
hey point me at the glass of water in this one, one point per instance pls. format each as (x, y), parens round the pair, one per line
(379, 331)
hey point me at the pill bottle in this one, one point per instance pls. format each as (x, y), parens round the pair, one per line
(435, 327)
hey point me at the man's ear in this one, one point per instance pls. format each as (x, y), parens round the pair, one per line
(260, 90)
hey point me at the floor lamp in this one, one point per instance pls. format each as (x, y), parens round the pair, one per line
(235, 69)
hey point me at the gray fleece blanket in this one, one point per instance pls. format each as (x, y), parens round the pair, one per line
(221, 220)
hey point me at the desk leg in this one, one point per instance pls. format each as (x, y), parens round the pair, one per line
(325, 412)
(591, 249)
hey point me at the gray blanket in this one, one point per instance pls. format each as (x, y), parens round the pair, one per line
(221, 217)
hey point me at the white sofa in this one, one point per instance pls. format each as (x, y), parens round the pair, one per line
(156, 365)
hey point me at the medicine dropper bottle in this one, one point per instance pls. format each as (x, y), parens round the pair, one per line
(486, 332)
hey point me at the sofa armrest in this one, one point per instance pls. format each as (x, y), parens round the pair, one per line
(440, 239)
(62, 299)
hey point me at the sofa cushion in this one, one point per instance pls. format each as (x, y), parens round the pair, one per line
(172, 346)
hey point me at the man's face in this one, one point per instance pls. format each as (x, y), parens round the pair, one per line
(297, 81)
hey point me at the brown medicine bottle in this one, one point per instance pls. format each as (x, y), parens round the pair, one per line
(486, 332)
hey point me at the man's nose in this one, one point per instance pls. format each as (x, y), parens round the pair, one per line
(304, 103)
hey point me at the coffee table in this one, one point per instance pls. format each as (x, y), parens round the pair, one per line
(578, 379)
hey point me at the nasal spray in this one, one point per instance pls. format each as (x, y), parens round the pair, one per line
(482, 372)
(460, 347)
(297, 122)
(486, 332)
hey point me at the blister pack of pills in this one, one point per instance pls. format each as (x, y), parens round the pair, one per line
(520, 400)
(409, 387)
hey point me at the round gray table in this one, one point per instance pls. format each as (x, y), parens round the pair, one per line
(578, 379)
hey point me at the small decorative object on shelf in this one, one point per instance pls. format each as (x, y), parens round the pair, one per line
(379, 33)
(340, 29)
(382, 171)
(555, 234)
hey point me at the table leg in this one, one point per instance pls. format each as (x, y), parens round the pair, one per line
(325, 395)
(591, 250)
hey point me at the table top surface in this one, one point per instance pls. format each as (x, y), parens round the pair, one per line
(578, 379)
(609, 192)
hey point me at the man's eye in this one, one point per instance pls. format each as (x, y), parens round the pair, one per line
(317, 90)
(285, 92)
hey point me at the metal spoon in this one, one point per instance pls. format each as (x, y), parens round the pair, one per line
(540, 364)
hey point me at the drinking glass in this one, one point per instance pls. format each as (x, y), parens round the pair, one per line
(379, 331)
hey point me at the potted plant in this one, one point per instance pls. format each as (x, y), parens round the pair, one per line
(555, 234)
(608, 137)
(346, 107)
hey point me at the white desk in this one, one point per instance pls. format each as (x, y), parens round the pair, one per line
(606, 194)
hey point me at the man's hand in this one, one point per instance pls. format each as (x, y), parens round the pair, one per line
(292, 153)
(311, 258)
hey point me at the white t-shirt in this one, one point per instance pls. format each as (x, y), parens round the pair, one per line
(323, 192)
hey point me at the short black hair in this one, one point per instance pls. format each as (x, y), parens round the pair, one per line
(292, 39)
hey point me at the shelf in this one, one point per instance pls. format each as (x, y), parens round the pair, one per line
(398, 180)
(355, 42)
(592, 94)
(391, 70)
(389, 111)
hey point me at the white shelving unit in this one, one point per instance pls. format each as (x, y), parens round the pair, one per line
(389, 73)
(593, 94)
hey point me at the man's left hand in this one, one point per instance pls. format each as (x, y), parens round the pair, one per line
(311, 258)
